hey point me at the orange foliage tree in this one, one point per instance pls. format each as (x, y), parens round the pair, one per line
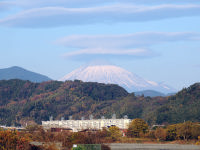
(161, 134)
(12, 140)
(137, 127)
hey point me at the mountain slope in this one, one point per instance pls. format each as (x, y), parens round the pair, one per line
(182, 106)
(20, 73)
(23, 101)
(115, 75)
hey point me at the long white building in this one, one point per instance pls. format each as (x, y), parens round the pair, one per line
(78, 125)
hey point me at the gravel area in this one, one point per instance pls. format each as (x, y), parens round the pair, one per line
(123, 146)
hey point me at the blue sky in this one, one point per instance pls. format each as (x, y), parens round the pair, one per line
(157, 40)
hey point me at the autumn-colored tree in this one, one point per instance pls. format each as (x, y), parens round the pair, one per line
(103, 133)
(37, 133)
(151, 134)
(196, 131)
(185, 130)
(136, 127)
(11, 140)
(115, 132)
(161, 134)
(172, 132)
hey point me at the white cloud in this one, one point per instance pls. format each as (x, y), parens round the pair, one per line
(98, 53)
(82, 3)
(4, 6)
(128, 46)
(60, 16)
(46, 3)
(142, 39)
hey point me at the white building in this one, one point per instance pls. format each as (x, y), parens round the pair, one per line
(78, 125)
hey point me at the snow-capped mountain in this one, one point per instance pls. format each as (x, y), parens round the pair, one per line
(115, 75)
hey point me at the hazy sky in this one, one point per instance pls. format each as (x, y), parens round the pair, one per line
(157, 40)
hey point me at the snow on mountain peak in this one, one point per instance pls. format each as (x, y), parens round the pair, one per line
(111, 74)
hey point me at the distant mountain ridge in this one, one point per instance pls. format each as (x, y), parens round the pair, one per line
(115, 75)
(16, 72)
(152, 93)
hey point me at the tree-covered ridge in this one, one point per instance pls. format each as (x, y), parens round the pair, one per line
(17, 90)
(181, 107)
(24, 101)
(97, 91)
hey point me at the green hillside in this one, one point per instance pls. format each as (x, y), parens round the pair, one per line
(22, 101)
(181, 107)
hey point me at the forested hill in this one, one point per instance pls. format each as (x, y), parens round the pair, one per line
(182, 107)
(24, 101)
(12, 91)
(17, 90)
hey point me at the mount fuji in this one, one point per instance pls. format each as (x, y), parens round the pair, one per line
(111, 74)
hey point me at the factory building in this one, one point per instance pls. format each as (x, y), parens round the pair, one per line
(79, 125)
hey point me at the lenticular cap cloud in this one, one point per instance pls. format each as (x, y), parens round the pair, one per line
(60, 16)
(128, 46)
(141, 39)
(99, 53)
